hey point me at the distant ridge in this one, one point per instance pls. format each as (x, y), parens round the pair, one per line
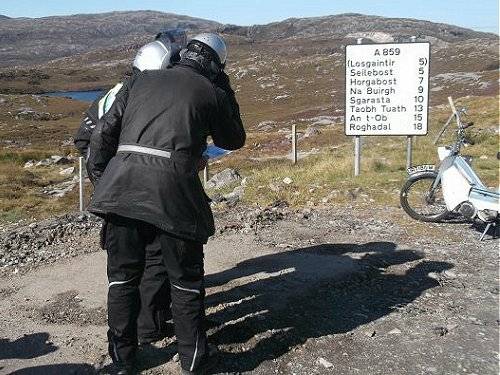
(28, 41)
(350, 23)
(37, 40)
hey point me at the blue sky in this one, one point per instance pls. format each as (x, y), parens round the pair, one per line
(480, 14)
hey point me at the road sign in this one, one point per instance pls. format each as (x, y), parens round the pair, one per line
(387, 89)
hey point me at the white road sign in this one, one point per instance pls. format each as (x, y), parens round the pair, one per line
(387, 89)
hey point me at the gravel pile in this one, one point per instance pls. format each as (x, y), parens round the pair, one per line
(245, 220)
(46, 240)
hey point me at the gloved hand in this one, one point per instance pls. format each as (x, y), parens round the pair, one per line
(222, 81)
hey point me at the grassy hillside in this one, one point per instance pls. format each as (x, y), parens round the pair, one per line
(327, 177)
(23, 139)
(284, 73)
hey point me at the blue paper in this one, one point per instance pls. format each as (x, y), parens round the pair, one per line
(214, 152)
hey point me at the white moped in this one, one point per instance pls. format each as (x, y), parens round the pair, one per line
(432, 194)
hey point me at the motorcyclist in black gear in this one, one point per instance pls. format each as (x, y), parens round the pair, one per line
(152, 56)
(143, 156)
(152, 323)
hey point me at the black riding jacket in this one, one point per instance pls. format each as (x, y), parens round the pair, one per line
(89, 122)
(87, 126)
(172, 110)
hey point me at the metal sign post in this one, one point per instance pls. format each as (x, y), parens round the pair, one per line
(80, 173)
(409, 151)
(357, 142)
(357, 155)
(409, 139)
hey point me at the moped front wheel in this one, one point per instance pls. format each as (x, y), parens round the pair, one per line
(420, 201)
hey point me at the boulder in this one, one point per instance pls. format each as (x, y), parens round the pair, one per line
(265, 126)
(53, 160)
(235, 196)
(61, 189)
(30, 114)
(67, 171)
(58, 160)
(29, 164)
(311, 131)
(224, 178)
(44, 162)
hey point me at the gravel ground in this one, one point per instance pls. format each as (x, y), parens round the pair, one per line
(331, 291)
(23, 247)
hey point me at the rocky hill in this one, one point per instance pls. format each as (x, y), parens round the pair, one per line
(27, 41)
(350, 24)
(86, 52)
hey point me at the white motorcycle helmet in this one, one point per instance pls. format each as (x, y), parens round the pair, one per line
(154, 56)
(215, 42)
(158, 54)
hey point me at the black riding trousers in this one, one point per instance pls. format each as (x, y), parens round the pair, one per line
(127, 243)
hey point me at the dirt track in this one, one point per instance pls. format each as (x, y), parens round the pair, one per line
(327, 292)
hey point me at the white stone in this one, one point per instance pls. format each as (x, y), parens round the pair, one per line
(323, 362)
(67, 171)
(395, 331)
(29, 164)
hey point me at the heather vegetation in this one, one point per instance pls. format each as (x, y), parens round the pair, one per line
(284, 73)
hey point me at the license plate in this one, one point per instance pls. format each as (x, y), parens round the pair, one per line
(421, 168)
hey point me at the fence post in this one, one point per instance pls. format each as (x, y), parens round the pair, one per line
(294, 143)
(205, 175)
(80, 173)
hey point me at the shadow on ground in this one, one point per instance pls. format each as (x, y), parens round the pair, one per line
(26, 347)
(36, 345)
(298, 298)
(67, 368)
(267, 305)
(477, 225)
(491, 234)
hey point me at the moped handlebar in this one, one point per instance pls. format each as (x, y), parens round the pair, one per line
(441, 132)
(455, 115)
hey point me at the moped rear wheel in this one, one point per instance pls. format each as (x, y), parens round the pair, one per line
(420, 202)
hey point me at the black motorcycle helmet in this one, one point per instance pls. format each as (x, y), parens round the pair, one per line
(209, 51)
